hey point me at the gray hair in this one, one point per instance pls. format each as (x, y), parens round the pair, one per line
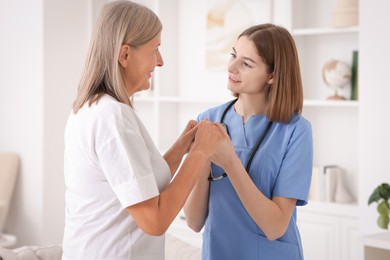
(120, 22)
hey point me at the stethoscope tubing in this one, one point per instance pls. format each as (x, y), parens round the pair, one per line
(255, 148)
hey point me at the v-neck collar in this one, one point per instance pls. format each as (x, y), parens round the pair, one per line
(245, 135)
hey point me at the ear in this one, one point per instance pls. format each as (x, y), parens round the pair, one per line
(124, 55)
(270, 79)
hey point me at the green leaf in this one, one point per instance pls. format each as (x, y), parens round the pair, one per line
(384, 191)
(383, 221)
(375, 196)
(383, 208)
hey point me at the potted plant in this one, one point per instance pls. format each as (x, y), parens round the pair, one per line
(381, 195)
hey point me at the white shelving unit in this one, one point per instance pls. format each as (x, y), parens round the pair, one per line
(328, 230)
(334, 122)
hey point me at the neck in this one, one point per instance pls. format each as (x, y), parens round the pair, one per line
(247, 106)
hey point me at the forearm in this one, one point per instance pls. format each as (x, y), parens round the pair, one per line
(196, 206)
(173, 157)
(272, 216)
(155, 215)
(173, 198)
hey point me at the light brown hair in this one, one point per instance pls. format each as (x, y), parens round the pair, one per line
(120, 22)
(276, 47)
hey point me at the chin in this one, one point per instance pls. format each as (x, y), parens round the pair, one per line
(148, 85)
(144, 87)
(231, 89)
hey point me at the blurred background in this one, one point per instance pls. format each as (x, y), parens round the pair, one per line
(42, 51)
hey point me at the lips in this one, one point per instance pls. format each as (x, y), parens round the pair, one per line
(233, 79)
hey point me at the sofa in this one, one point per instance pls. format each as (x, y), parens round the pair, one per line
(51, 252)
(175, 249)
(9, 170)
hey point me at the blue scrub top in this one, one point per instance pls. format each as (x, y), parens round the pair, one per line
(281, 167)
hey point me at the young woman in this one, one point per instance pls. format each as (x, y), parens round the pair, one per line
(119, 195)
(247, 201)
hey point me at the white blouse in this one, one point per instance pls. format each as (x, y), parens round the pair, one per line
(110, 163)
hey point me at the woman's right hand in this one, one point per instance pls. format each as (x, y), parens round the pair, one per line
(208, 138)
(216, 143)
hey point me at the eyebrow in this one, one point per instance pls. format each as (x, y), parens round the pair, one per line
(245, 58)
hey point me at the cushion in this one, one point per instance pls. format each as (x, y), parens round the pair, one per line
(52, 252)
(175, 249)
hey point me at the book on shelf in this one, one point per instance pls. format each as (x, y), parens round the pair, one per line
(327, 185)
(354, 78)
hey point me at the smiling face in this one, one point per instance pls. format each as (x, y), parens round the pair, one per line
(248, 73)
(139, 63)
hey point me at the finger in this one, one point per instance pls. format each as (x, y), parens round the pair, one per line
(202, 123)
(192, 130)
(222, 129)
(192, 123)
(220, 126)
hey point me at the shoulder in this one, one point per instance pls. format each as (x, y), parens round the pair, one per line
(214, 113)
(300, 132)
(108, 105)
(111, 109)
(107, 113)
(298, 127)
(300, 122)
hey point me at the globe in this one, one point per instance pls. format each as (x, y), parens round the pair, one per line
(336, 74)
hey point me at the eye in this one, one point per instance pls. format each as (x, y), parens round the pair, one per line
(233, 55)
(247, 65)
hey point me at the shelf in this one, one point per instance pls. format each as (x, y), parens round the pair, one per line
(177, 99)
(191, 100)
(323, 31)
(381, 241)
(330, 103)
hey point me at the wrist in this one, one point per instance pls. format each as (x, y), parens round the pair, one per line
(175, 150)
(232, 165)
(200, 158)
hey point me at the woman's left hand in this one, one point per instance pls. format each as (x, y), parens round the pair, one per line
(187, 137)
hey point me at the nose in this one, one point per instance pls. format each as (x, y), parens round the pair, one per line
(232, 66)
(160, 61)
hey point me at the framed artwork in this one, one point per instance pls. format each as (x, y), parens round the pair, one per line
(225, 20)
(205, 41)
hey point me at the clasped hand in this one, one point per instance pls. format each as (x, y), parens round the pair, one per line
(212, 139)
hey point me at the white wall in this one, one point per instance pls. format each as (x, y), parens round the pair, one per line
(66, 37)
(374, 93)
(21, 109)
(42, 50)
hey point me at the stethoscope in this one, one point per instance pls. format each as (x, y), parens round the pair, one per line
(254, 150)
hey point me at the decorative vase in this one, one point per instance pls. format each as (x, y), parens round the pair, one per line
(346, 13)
